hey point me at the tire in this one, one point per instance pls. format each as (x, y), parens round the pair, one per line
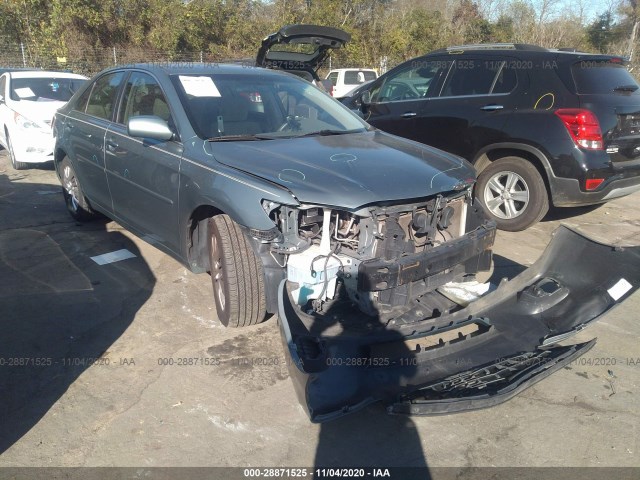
(12, 155)
(513, 193)
(77, 204)
(237, 275)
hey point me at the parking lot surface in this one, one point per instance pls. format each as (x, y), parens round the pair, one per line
(125, 364)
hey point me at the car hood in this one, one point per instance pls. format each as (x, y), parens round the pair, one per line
(350, 170)
(41, 112)
(319, 42)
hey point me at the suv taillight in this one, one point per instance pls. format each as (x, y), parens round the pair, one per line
(583, 126)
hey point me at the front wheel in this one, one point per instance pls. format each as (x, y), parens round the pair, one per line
(513, 193)
(236, 274)
(12, 155)
(77, 204)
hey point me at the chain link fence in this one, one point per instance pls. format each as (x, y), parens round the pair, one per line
(90, 62)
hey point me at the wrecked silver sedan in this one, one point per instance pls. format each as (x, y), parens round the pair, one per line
(366, 245)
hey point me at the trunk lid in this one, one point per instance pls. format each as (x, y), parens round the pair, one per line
(300, 47)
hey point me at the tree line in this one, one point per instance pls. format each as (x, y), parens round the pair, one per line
(76, 31)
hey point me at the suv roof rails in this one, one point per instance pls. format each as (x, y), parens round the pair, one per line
(496, 46)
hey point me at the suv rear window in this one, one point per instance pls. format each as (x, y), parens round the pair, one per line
(594, 77)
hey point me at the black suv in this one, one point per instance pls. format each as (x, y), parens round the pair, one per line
(540, 126)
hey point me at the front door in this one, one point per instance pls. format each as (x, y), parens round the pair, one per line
(398, 98)
(144, 174)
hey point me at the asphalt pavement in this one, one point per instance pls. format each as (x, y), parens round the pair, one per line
(126, 364)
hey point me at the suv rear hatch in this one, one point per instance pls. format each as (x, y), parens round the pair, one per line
(300, 47)
(605, 86)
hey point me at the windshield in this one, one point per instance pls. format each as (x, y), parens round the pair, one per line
(44, 89)
(594, 77)
(260, 106)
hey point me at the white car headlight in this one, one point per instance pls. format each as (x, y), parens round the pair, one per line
(24, 122)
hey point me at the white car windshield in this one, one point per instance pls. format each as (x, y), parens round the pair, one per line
(44, 89)
(261, 106)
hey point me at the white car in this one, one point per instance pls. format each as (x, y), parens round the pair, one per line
(28, 101)
(344, 80)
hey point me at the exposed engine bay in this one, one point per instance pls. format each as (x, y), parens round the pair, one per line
(381, 304)
(382, 260)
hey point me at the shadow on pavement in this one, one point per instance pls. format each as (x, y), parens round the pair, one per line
(372, 438)
(504, 268)
(556, 214)
(60, 312)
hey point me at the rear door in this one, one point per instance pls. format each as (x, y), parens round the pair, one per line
(85, 127)
(144, 174)
(469, 111)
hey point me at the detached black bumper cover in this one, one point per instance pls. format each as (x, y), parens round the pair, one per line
(503, 342)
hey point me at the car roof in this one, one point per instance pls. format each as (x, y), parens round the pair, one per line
(354, 68)
(44, 74)
(522, 50)
(189, 68)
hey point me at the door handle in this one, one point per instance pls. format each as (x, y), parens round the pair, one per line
(409, 115)
(112, 146)
(491, 107)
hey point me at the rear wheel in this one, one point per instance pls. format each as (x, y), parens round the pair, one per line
(12, 155)
(236, 274)
(513, 193)
(77, 204)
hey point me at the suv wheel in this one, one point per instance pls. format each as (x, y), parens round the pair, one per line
(77, 204)
(513, 193)
(236, 273)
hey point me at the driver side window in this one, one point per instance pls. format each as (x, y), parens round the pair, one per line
(415, 81)
(143, 96)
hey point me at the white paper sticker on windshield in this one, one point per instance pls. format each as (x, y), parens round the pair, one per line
(25, 92)
(199, 86)
(619, 289)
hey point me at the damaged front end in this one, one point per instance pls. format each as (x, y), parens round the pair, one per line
(365, 314)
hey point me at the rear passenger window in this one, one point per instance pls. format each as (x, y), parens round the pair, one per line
(81, 103)
(476, 77)
(506, 81)
(470, 78)
(143, 96)
(103, 96)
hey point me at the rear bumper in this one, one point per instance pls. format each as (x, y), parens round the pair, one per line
(509, 346)
(566, 192)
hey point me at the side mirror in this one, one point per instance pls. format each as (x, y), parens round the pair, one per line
(365, 98)
(149, 126)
